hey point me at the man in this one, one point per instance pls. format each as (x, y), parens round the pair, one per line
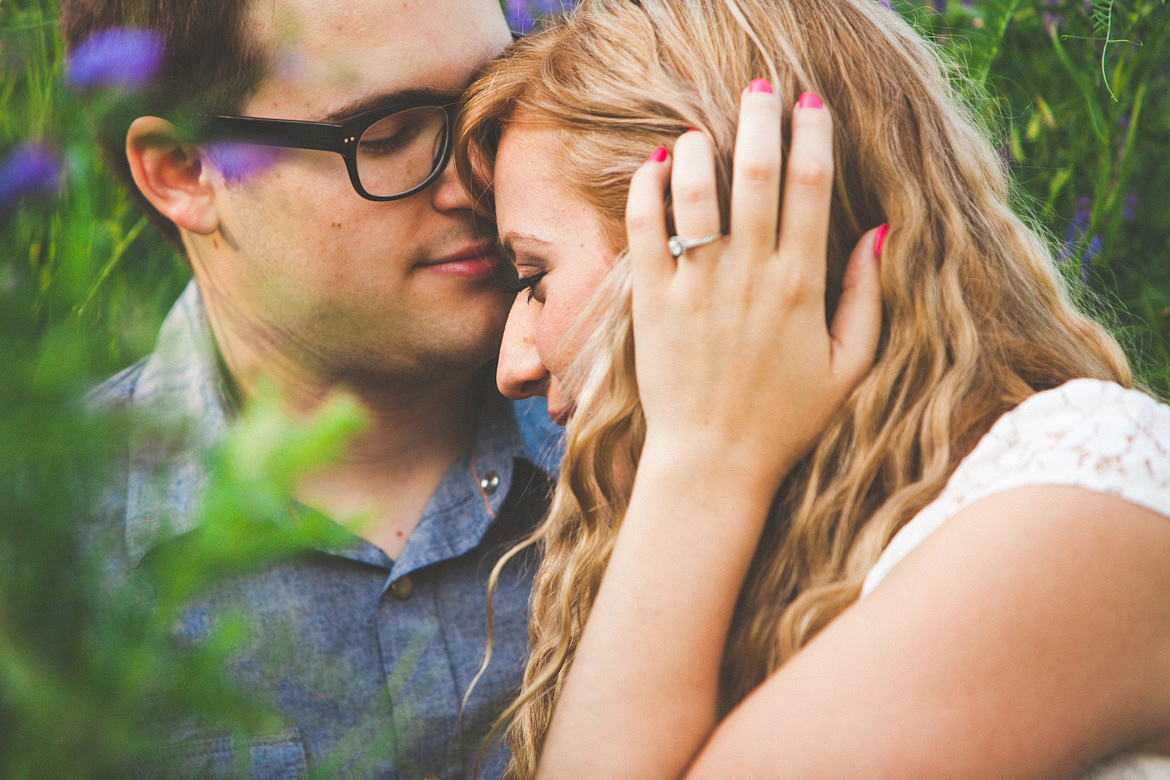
(339, 265)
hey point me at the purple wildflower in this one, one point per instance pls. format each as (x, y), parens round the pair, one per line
(30, 169)
(887, 4)
(239, 161)
(1084, 211)
(1133, 204)
(1087, 258)
(1078, 226)
(523, 14)
(940, 6)
(123, 57)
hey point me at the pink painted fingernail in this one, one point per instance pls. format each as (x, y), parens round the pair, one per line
(809, 100)
(879, 239)
(658, 155)
(760, 85)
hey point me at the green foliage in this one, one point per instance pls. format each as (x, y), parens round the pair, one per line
(85, 669)
(245, 513)
(1079, 94)
(84, 284)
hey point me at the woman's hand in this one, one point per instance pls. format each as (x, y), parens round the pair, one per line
(733, 353)
(738, 375)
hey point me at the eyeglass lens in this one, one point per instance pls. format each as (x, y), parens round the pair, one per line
(398, 153)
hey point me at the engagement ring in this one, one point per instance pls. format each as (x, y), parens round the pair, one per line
(679, 246)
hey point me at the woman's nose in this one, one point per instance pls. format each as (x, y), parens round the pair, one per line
(520, 372)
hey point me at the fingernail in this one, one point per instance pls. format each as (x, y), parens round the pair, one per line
(760, 85)
(658, 155)
(879, 239)
(809, 100)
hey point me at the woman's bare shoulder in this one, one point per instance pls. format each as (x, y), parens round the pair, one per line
(1029, 636)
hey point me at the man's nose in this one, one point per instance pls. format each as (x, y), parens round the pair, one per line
(448, 192)
(520, 372)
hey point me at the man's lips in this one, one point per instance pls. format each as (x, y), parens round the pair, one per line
(477, 262)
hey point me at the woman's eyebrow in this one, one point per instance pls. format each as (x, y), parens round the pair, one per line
(510, 240)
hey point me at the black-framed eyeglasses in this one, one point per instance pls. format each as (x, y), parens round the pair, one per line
(391, 152)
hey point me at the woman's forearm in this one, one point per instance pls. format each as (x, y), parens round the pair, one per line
(641, 698)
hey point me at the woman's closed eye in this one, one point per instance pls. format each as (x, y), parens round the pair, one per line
(528, 283)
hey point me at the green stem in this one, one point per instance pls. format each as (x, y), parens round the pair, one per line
(116, 256)
(999, 30)
(1083, 87)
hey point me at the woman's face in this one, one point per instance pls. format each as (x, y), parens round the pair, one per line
(560, 253)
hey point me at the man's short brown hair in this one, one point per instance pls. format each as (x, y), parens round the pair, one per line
(210, 65)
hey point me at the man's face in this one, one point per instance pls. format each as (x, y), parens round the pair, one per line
(400, 289)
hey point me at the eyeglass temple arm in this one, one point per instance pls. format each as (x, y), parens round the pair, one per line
(288, 133)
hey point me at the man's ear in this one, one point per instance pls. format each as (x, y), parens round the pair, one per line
(169, 173)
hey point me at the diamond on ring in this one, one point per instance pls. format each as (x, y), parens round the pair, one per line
(678, 246)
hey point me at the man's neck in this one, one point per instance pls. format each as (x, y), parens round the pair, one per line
(415, 430)
(390, 470)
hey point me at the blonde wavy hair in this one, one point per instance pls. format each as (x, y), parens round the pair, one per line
(976, 314)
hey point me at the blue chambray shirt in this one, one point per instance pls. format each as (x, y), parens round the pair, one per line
(366, 658)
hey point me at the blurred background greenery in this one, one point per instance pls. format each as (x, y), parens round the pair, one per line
(1079, 92)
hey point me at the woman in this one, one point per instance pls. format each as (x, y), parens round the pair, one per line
(929, 540)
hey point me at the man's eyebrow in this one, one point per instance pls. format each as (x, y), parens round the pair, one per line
(380, 99)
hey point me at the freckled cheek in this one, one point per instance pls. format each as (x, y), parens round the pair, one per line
(313, 186)
(550, 336)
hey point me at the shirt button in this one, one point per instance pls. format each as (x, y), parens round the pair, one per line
(402, 588)
(490, 482)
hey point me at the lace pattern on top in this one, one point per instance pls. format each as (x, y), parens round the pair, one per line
(1088, 433)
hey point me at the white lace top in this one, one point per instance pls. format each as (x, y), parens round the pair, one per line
(1088, 433)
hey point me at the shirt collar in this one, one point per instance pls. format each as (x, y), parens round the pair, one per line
(470, 494)
(189, 409)
(185, 409)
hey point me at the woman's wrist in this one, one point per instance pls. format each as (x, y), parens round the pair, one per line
(711, 463)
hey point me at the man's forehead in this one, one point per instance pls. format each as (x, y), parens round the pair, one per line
(332, 56)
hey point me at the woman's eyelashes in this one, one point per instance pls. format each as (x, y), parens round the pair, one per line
(528, 283)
